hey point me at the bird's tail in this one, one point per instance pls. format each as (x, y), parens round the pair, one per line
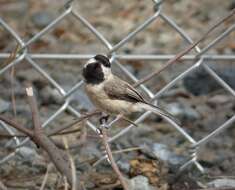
(159, 111)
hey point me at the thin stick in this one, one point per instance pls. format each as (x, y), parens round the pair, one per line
(73, 168)
(53, 132)
(2, 186)
(49, 166)
(117, 152)
(111, 159)
(34, 110)
(57, 156)
(182, 53)
(85, 116)
(14, 124)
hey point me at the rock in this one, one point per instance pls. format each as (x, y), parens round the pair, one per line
(27, 153)
(201, 83)
(124, 165)
(182, 111)
(42, 18)
(140, 183)
(163, 153)
(222, 183)
(4, 105)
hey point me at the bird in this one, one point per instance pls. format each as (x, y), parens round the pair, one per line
(111, 94)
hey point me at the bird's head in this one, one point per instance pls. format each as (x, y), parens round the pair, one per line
(97, 69)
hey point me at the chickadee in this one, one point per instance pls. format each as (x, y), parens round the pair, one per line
(111, 94)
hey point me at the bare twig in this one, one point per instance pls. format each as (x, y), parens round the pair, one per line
(58, 157)
(34, 109)
(111, 159)
(45, 177)
(53, 132)
(17, 126)
(116, 152)
(185, 51)
(73, 168)
(85, 116)
(66, 185)
(2, 186)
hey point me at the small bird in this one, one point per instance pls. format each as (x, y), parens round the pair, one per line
(111, 94)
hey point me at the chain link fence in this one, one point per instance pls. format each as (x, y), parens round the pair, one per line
(31, 59)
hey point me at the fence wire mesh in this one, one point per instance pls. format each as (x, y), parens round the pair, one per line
(32, 60)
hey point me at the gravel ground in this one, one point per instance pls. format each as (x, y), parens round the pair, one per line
(156, 149)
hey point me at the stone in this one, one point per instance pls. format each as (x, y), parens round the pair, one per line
(42, 19)
(27, 153)
(162, 152)
(182, 111)
(123, 165)
(140, 183)
(201, 82)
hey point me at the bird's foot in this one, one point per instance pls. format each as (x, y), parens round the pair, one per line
(103, 122)
(104, 119)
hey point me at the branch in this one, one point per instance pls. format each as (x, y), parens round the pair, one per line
(62, 128)
(185, 51)
(57, 156)
(17, 126)
(34, 110)
(111, 159)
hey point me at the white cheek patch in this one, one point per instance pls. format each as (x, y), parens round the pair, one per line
(92, 60)
(106, 71)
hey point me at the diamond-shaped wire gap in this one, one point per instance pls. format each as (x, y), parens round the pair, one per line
(176, 28)
(218, 149)
(195, 83)
(157, 38)
(46, 93)
(123, 16)
(68, 36)
(195, 24)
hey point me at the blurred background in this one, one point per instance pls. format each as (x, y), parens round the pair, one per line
(197, 101)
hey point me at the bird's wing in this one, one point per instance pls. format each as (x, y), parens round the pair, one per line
(121, 90)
